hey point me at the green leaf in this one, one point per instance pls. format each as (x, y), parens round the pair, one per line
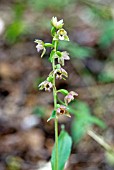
(83, 120)
(97, 121)
(107, 74)
(63, 91)
(107, 34)
(78, 129)
(39, 111)
(18, 10)
(64, 149)
(14, 31)
(56, 5)
(51, 56)
(77, 51)
(52, 115)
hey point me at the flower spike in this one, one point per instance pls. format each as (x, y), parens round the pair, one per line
(60, 106)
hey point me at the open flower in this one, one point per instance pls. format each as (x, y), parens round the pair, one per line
(64, 56)
(60, 73)
(57, 24)
(46, 85)
(70, 97)
(62, 110)
(40, 46)
(61, 35)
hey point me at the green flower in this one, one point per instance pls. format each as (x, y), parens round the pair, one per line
(57, 24)
(61, 35)
(40, 46)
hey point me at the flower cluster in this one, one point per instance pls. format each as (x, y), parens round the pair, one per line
(58, 34)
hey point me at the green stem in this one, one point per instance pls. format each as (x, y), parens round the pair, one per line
(56, 119)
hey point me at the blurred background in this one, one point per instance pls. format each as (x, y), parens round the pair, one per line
(26, 139)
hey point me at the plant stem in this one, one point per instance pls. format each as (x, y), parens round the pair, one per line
(99, 140)
(56, 119)
(56, 143)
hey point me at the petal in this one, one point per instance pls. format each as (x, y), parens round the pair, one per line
(50, 85)
(66, 38)
(39, 42)
(44, 50)
(54, 21)
(39, 47)
(65, 55)
(61, 37)
(73, 93)
(68, 114)
(61, 61)
(60, 22)
(64, 72)
(58, 110)
(42, 83)
(62, 106)
(68, 98)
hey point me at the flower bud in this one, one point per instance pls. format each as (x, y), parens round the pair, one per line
(57, 24)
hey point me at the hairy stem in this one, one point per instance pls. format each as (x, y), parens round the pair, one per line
(56, 119)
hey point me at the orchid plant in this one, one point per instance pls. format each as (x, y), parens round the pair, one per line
(63, 142)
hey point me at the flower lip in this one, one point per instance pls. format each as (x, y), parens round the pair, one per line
(39, 47)
(61, 35)
(59, 73)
